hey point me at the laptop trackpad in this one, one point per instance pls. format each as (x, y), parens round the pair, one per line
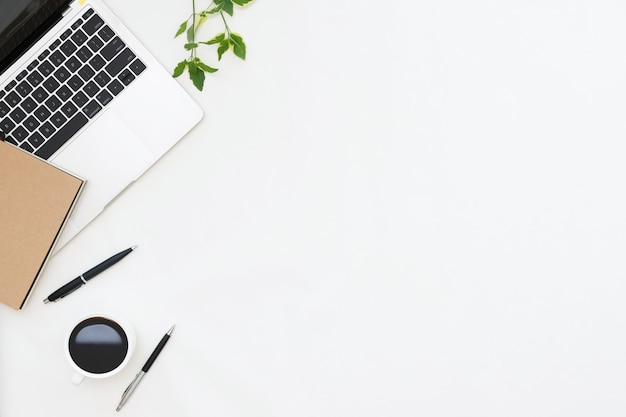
(109, 156)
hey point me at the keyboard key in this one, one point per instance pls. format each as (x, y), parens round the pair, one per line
(46, 129)
(35, 78)
(62, 136)
(80, 99)
(51, 84)
(66, 34)
(86, 72)
(93, 24)
(54, 45)
(53, 103)
(112, 48)
(75, 82)
(4, 109)
(95, 43)
(106, 33)
(13, 99)
(23, 88)
(19, 134)
(77, 23)
(31, 123)
(84, 54)
(62, 74)
(102, 78)
(92, 108)
(32, 65)
(26, 146)
(96, 62)
(120, 62)
(56, 58)
(115, 87)
(87, 14)
(43, 55)
(137, 66)
(10, 86)
(58, 119)
(69, 109)
(35, 139)
(21, 75)
(46, 68)
(64, 93)
(68, 47)
(126, 77)
(28, 105)
(11, 140)
(104, 97)
(42, 113)
(79, 37)
(17, 115)
(40, 94)
(6, 125)
(73, 64)
(91, 89)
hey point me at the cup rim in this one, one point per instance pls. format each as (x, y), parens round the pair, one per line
(130, 335)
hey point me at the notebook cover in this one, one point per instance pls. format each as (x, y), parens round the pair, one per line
(36, 199)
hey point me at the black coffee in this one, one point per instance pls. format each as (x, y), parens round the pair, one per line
(98, 345)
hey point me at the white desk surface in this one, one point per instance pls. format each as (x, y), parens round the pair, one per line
(404, 209)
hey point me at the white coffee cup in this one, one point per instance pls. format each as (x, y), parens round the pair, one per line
(98, 346)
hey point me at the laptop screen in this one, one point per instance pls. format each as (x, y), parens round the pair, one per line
(22, 22)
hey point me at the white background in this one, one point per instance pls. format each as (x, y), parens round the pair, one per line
(409, 208)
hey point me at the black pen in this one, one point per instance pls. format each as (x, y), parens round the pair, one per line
(81, 280)
(135, 383)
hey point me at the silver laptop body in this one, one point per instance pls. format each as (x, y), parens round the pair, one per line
(125, 118)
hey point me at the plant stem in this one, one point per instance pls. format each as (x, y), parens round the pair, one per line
(225, 24)
(193, 27)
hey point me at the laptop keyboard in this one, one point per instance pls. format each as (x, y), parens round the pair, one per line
(66, 86)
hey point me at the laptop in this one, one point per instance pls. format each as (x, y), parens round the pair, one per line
(79, 90)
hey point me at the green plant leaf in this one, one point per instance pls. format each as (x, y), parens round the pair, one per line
(180, 68)
(191, 33)
(200, 21)
(203, 66)
(196, 75)
(241, 2)
(216, 39)
(227, 7)
(181, 29)
(190, 46)
(239, 47)
(223, 47)
(215, 9)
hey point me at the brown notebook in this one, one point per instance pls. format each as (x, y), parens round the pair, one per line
(36, 199)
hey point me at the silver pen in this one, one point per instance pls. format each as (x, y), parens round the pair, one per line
(135, 383)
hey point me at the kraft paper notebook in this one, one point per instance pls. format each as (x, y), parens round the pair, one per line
(36, 199)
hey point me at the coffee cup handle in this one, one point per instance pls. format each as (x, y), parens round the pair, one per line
(77, 378)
